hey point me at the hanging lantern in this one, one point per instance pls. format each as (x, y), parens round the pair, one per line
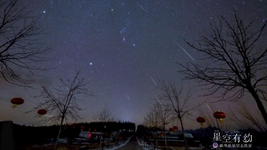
(89, 135)
(219, 115)
(171, 130)
(201, 120)
(41, 112)
(17, 101)
(82, 127)
(161, 134)
(74, 125)
(175, 128)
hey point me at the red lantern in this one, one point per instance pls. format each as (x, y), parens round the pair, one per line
(175, 128)
(41, 112)
(82, 127)
(89, 135)
(171, 130)
(219, 115)
(17, 101)
(201, 120)
(73, 125)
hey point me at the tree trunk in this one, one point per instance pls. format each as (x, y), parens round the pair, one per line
(165, 140)
(259, 103)
(60, 128)
(186, 146)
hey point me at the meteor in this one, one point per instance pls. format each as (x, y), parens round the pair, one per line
(209, 107)
(142, 7)
(158, 100)
(153, 80)
(185, 51)
(128, 97)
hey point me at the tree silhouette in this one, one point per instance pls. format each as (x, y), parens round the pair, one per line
(247, 120)
(63, 100)
(151, 119)
(178, 101)
(234, 62)
(103, 115)
(164, 116)
(20, 45)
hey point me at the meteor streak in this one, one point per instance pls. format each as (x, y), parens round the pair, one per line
(142, 7)
(158, 100)
(185, 51)
(128, 97)
(153, 80)
(209, 107)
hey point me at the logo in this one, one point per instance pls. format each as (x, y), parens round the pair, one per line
(215, 144)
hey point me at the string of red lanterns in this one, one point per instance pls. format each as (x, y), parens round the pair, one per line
(18, 101)
(218, 115)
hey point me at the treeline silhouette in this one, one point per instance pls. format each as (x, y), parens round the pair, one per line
(30, 135)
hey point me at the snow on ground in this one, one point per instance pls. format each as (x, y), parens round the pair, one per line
(120, 145)
(147, 146)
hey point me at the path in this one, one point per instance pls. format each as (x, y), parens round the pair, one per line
(131, 145)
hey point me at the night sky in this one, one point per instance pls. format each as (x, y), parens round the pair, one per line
(123, 47)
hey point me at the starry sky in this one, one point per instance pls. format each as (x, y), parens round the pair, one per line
(123, 47)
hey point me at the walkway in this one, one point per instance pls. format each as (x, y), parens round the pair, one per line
(131, 145)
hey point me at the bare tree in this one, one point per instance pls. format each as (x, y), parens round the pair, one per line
(20, 46)
(247, 120)
(151, 119)
(234, 62)
(159, 116)
(164, 116)
(63, 100)
(103, 115)
(178, 101)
